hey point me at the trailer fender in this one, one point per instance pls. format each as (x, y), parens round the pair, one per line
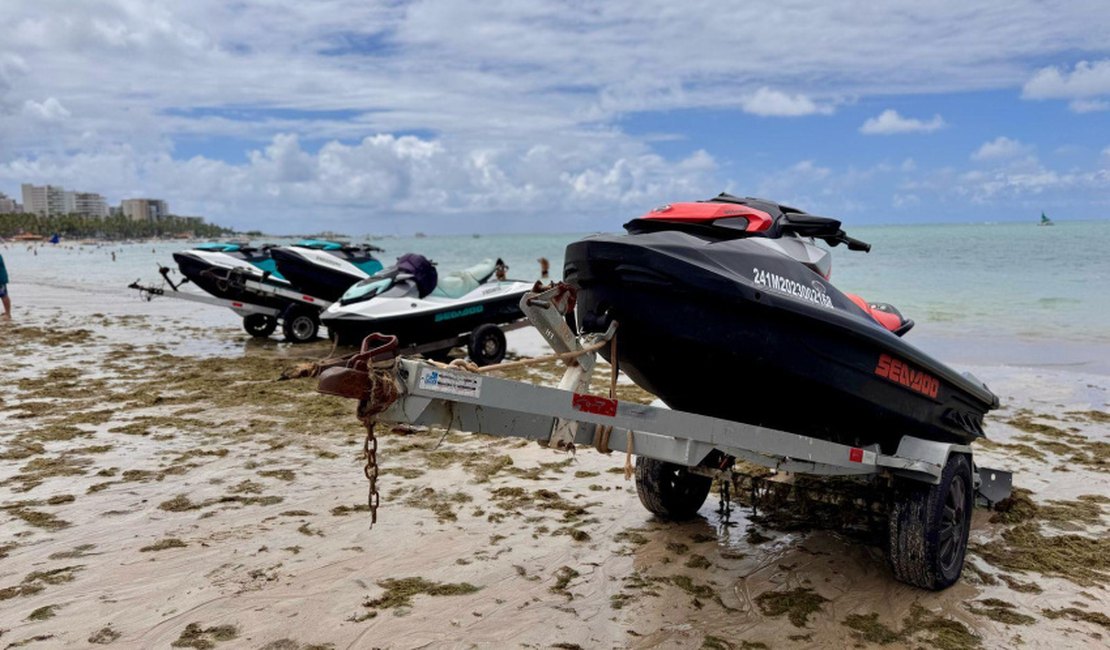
(921, 460)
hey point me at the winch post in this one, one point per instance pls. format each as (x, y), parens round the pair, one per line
(547, 310)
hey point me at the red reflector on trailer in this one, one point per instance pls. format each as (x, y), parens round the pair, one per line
(308, 298)
(236, 304)
(594, 404)
(855, 455)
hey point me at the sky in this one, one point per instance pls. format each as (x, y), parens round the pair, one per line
(392, 117)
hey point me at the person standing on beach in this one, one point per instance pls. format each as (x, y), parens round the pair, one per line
(4, 291)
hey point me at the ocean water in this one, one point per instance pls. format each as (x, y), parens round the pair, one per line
(982, 294)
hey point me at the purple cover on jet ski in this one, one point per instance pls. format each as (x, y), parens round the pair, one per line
(423, 272)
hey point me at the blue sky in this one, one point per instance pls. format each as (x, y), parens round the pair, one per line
(519, 115)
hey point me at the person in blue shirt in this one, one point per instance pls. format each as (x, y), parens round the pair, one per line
(4, 291)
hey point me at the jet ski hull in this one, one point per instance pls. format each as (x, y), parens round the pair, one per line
(319, 273)
(735, 330)
(425, 324)
(210, 277)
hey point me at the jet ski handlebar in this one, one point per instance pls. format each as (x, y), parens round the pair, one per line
(841, 238)
(855, 244)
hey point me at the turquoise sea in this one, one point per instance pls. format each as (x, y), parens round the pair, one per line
(1006, 293)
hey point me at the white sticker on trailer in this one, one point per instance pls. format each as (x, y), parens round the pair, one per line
(452, 383)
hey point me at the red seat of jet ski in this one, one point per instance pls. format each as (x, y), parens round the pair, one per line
(884, 314)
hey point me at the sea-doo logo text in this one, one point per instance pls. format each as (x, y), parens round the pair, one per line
(459, 313)
(901, 372)
(791, 288)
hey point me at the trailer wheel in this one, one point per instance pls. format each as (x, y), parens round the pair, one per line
(487, 345)
(259, 325)
(929, 527)
(299, 325)
(668, 490)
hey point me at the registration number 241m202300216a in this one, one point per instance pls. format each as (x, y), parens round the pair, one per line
(900, 372)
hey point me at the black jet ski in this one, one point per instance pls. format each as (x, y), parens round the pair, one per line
(725, 309)
(414, 302)
(325, 269)
(214, 266)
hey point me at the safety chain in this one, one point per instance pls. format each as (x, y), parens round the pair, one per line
(370, 448)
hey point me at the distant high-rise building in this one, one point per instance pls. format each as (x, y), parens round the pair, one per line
(48, 200)
(8, 205)
(144, 209)
(91, 204)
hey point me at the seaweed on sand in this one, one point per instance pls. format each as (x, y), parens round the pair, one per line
(563, 576)
(36, 470)
(797, 604)
(399, 592)
(43, 613)
(163, 544)
(1001, 611)
(939, 632)
(39, 519)
(194, 636)
(1076, 614)
(1083, 560)
(36, 581)
(867, 627)
(104, 636)
(440, 502)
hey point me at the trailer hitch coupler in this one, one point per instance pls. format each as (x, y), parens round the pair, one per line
(361, 376)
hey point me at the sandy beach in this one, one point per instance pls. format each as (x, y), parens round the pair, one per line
(160, 487)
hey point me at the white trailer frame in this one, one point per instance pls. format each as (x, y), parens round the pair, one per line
(453, 398)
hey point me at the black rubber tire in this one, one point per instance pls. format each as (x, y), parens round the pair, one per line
(670, 491)
(929, 527)
(259, 326)
(486, 345)
(300, 325)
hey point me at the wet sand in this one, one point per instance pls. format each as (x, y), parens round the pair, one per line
(180, 496)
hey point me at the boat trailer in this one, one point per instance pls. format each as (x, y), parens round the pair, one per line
(299, 318)
(933, 484)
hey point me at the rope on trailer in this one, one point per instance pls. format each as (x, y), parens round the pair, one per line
(601, 439)
(603, 431)
(628, 469)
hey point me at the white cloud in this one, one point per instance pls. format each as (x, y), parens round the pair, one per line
(505, 100)
(907, 200)
(890, 122)
(1086, 80)
(50, 110)
(1088, 105)
(769, 102)
(390, 177)
(1001, 148)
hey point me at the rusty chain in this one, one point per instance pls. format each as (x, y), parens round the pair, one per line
(370, 448)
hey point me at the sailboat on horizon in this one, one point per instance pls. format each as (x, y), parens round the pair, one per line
(1045, 221)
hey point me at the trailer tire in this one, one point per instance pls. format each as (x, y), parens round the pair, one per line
(668, 490)
(300, 325)
(259, 326)
(929, 527)
(486, 345)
